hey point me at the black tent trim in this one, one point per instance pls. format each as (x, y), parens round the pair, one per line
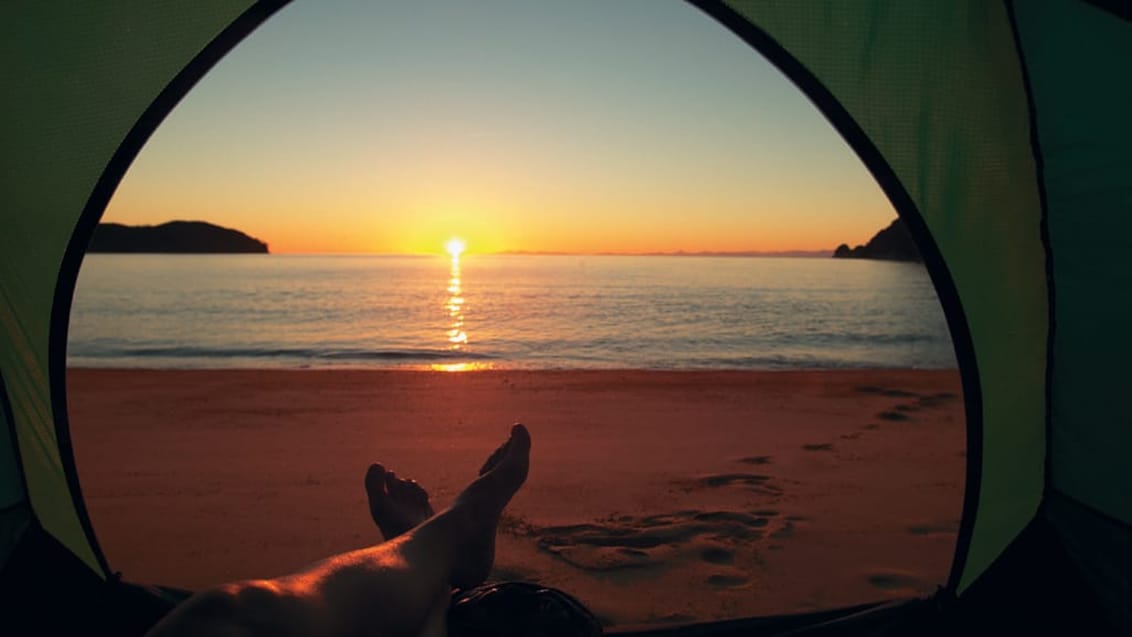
(906, 208)
(1039, 178)
(96, 204)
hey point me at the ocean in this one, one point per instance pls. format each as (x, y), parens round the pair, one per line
(505, 312)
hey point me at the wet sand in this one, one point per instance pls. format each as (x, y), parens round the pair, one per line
(655, 497)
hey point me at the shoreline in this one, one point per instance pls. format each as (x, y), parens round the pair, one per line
(478, 367)
(656, 496)
(698, 370)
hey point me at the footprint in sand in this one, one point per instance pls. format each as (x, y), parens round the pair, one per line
(895, 581)
(727, 580)
(717, 555)
(597, 558)
(935, 528)
(755, 482)
(626, 542)
(891, 393)
(725, 479)
(936, 400)
(785, 531)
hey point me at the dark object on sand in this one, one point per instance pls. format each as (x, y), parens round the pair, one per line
(519, 609)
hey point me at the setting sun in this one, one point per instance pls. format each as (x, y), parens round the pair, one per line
(455, 246)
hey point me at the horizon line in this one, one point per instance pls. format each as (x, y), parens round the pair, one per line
(558, 253)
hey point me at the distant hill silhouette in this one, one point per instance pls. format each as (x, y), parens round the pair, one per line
(893, 243)
(181, 237)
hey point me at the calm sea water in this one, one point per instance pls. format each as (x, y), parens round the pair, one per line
(504, 312)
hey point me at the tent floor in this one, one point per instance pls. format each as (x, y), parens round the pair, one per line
(1032, 588)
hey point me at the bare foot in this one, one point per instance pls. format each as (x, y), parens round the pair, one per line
(396, 505)
(478, 507)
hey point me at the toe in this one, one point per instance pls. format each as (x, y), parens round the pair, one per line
(520, 438)
(375, 480)
(518, 445)
(392, 484)
(514, 464)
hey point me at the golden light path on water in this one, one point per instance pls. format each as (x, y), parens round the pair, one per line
(457, 336)
(460, 367)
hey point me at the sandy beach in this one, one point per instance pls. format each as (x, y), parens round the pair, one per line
(654, 497)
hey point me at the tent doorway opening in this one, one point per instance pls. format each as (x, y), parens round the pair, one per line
(727, 424)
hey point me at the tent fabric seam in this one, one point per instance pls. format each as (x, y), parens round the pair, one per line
(10, 416)
(1092, 509)
(1043, 224)
(1118, 8)
(92, 211)
(832, 109)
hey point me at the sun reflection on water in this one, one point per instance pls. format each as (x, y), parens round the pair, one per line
(475, 366)
(457, 337)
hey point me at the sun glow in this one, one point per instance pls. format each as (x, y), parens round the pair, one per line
(475, 366)
(455, 247)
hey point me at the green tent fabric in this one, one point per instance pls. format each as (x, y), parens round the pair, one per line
(894, 71)
(82, 78)
(999, 130)
(1086, 137)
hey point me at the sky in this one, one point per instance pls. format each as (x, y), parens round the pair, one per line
(584, 126)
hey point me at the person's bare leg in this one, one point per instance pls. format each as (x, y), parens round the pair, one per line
(473, 517)
(400, 587)
(396, 505)
(417, 569)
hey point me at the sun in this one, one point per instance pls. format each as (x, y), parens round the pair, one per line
(455, 247)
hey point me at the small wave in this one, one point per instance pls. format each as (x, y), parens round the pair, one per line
(764, 362)
(309, 353)
(800, 362)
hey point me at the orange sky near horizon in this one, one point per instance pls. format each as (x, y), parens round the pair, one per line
(571, 225)
(391, 128)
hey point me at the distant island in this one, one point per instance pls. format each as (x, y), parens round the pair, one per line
(177, 237)
(893, 244)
